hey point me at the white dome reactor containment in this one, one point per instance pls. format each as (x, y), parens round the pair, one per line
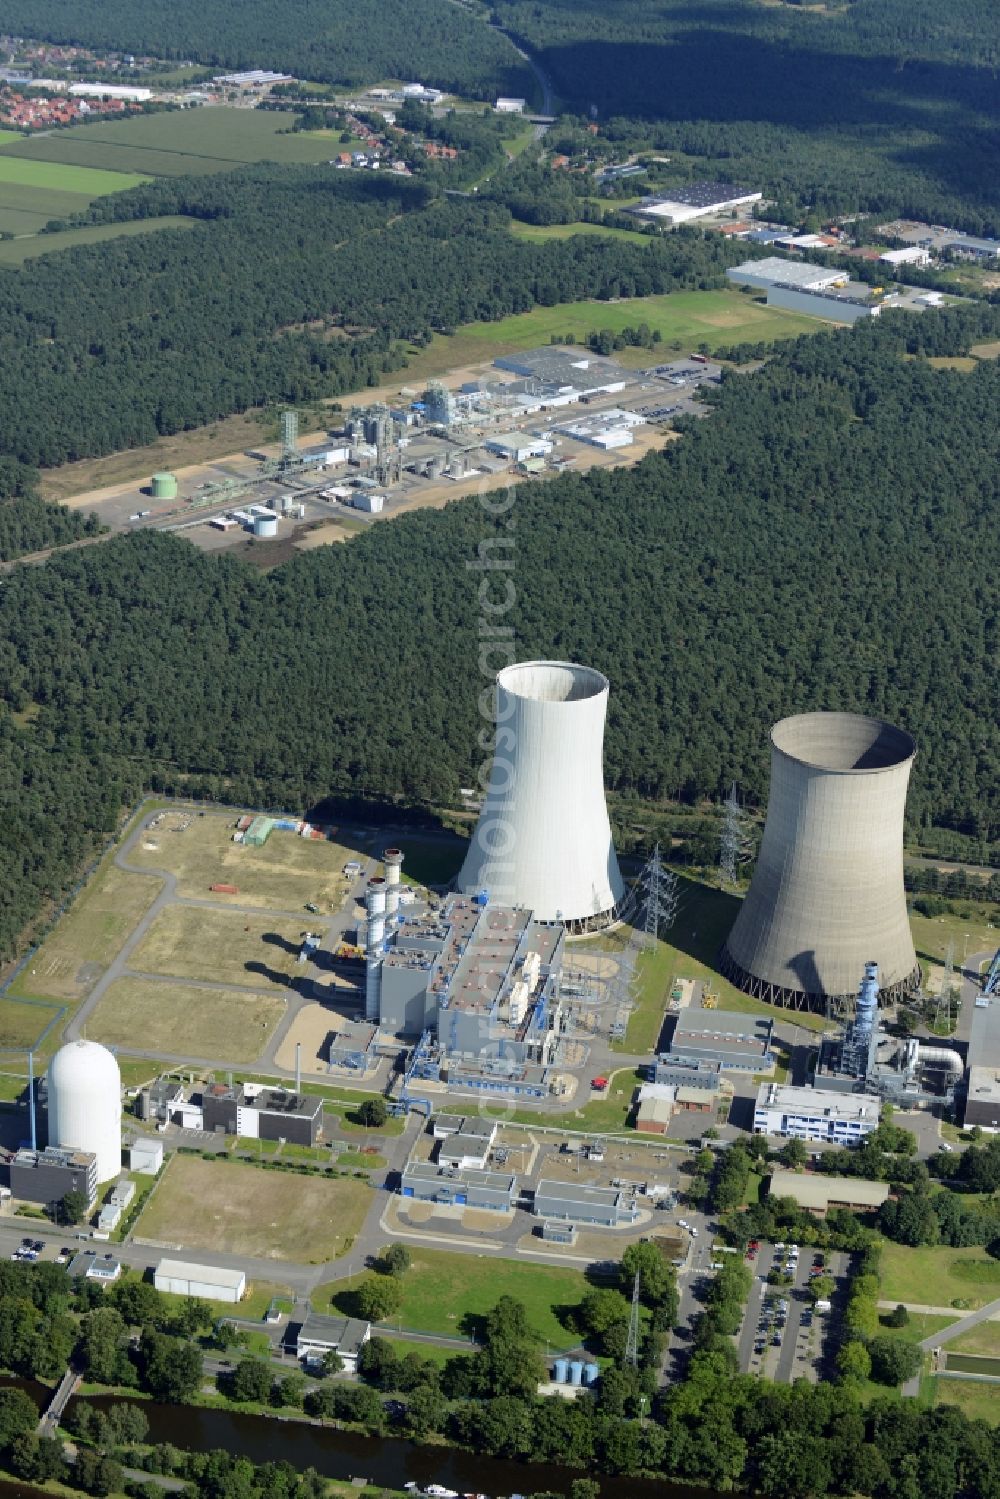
(827, 893)
(85, 1108)
(543, 840)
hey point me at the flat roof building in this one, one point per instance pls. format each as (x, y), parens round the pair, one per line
(46, 1176)
(257, 1112)
(319, 1335)
(145, 1157)
(982, 1103)
(496, 1191)
(737, 1042)
(848, 305)
(810, 1114)
(605, 1206)
(818, 1193)
(468, 1148)
(560, 373)
(105, 1269)
(774, 271)
(679, 205)
(912, 255)
(188, 1278)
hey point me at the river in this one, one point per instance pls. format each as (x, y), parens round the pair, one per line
(390, 1461)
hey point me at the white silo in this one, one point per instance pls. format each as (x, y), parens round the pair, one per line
(85, 1104)
(827, 896)
(543, 840)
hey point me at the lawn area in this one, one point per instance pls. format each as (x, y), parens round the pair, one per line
(939, 1276)
(22, 1022)
(931, 935)
(16, 252)
(176, 143)
(540, 232)
(449, 1293)
(287, 872)
(430, 1352)
(921, 1325)
(223, 946)
(84, 941)
(245, 1209)
(980, 1402)
(59, 176)
(984, 1339)
(186, 1019)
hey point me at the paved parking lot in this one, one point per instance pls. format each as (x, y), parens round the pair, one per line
(783, 1337)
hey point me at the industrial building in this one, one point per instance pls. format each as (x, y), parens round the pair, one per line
(257, 1112)
(827, 893)
(773, 271)
(84, 1104)
(494, 1190)
(848, 305)
(543, 841)
(811, 1114)
(45, 1176)
(697, 201)
(911, 255)
(693, 1072)
(982, 1103)
(607, 1207)
(319, 1335)
(655, 1108)
(145, 1157)
(515, 447)
(118, 1200)
(510, 106)
(604, 429)
(213, 1282)
(559, 374)
(467, 1147)
(818, 1193)
(734, 1041)
(154, 1104)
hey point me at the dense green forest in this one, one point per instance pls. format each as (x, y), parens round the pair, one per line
(350, 42)
(107, 346)
(878, 105)
(827, 539)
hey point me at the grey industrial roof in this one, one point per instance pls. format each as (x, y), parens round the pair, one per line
(704, 194)
(498, 1181)
(984, 1038)
(571, 1192)
(564, 365)
(346, 1334)
(787, 272)
(209, 1275)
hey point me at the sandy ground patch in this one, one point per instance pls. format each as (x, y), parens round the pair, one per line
(186, 1020)
(311, 1026)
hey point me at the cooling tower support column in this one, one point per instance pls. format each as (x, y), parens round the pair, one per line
(827, 893)
(392, 858)
(543, 840)
(375, 903)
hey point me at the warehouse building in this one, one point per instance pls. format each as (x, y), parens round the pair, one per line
(810, 1114)
(213, 1282)
(319, 1335)
(257, 1112)
(774, 271)
(46, 1176)
(818, 1193)
(516, 447)
(982, 1104)
(496, 1191)
(736, 1042)
(559, 374)
(608, 1207)
(697, 201)
(848, 305)
(912, 255)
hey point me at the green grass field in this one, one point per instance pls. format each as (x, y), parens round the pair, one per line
(176, 143)
(538, 233)
(22, 1022)
(186, 1020)
(984, 1339)
(449, 1293)
(16, 252)
(244, 1209)
(921, 1325)
(980, 1402)
(939, 1276)
(61, 177)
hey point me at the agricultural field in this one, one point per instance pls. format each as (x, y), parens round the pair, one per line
(451, 1293)
(83, 943)
(22, 1022)
(178, 143)
(224, 947)
(286, 873)
(17, 251)
(186, 1020)
(32, 193)
(245, 1209)
(939, 1276)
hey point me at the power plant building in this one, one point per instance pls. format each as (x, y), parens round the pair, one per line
(84, 1104)
(257, 1112)
(812, 1114)
(45, 1176)
(496, 1191)
(827, 893)
(731, 1040)
(570, 1202)
(982, 1104)
(543, 841)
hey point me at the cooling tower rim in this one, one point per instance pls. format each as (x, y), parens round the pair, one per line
(536, 681)
(790, 738)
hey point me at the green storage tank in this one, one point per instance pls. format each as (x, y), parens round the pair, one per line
(164, 487)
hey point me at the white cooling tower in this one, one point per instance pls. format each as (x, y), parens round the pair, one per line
(827, 894)
(85, 1107)
(543, 840)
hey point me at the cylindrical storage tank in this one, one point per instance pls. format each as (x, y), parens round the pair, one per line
(543, 840)
(287, 504)
(265, 525)
(85, 1107)
(827, 893)
(164, 486)
(591, 1373)
(392, 858)
(562, 1370)
(576, 1372)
